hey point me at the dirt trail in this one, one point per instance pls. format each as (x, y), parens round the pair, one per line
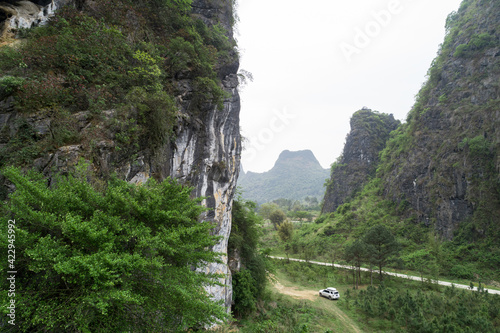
(345, 319)
(294, 292)
(312, 295)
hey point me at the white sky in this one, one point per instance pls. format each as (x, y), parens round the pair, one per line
(316, 62)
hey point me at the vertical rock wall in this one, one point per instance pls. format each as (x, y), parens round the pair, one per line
(207, 156)
(369, 133)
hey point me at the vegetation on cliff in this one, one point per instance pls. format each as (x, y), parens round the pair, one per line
(128, 59)
(250, 274)
(115, 78)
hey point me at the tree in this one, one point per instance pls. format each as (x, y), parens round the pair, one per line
(283, 204)
(248, 283)
(277, 217)
(128, 259)
(382, 246)
(334, 246)
(266, 209)
(297, 205)
(285, 233)
(355, 253)
(419, 260)
(303, 215)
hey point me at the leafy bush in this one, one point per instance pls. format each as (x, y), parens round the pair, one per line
(244, 291)
(462, 272)
(479, 146)
(11, 59)
(477, 43)
(9, 85)
(122, 260)
(22, 147)
(155, 112)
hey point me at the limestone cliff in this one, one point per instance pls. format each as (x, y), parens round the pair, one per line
(444, 163)
(440, 169)
(201, 149)
(369, 133)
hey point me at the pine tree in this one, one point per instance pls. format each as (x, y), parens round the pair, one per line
(381, 246)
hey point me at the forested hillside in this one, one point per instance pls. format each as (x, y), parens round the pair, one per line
(437, 181)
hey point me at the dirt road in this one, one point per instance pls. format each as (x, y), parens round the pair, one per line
(327, 305)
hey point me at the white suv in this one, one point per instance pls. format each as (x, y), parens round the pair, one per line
(330, 293)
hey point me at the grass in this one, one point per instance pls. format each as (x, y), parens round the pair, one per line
(330, 319)
(284, 313)
(307, 277)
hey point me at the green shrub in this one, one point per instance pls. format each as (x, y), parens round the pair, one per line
(478, 146)
(155, 113)
(10, 59)
(476, 43)
(460, 50)
(47, 91)
(9, 85)
(244, 292)
(22, 148)
(462, 272)
(249, 283)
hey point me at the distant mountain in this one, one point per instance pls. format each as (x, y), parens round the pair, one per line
(295, 175)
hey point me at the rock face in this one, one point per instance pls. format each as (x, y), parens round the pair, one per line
(369, 133)
(204, 154)
(445, 164)
(15, 15)
(295, 175)
(442, 167)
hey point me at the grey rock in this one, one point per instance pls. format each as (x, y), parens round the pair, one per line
(369, 133)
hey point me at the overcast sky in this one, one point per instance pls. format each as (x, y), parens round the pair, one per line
(315, 63)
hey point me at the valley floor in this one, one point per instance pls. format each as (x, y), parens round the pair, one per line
(403, 276)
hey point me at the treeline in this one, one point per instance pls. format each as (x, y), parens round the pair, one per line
(376, 248)
(300, 210)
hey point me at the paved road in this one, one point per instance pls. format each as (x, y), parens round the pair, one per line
(403, 276)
